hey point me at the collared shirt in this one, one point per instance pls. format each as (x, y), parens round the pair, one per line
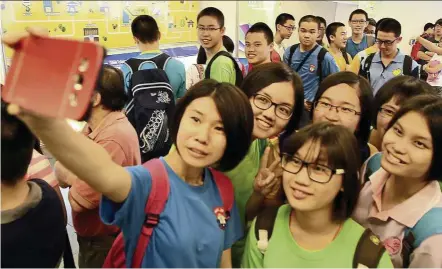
(175, 71)
(380, 74)
(390, 225)
(355, 64)
(115, 134)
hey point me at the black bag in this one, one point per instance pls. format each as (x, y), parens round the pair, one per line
(151, 106)
(238, 73)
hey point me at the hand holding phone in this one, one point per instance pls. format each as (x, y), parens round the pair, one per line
(52, 77)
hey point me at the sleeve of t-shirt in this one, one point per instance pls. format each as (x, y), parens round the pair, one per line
(385, 261)
(234, 230)
(415, 69)
(329, 67)
(252, 257)
(222, 70)
(428, 254)
(286, 56)
(126, 74)
(129, 215)
(177, 77)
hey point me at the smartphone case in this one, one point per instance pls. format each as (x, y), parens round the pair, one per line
(53, 77)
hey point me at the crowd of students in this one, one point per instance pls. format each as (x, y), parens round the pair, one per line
(330, 154)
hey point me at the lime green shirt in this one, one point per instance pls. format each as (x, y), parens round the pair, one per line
(284, 252)
(242, 177)
(223, 69)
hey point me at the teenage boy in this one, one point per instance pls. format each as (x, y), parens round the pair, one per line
(147, 35)
(221, 66)
(321, 33)
(310, 60)
(284, 25)
(389, 61)
(259, 45)
(425, 55)
(337, 38)
(358, 41)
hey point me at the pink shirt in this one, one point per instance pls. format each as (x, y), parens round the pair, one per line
(115, 134)
(41, 168)
(390, 224)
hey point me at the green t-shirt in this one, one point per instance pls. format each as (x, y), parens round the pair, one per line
(242, 177)
(223, 69)
(284, 252)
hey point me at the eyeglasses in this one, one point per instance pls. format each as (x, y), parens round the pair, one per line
(358, 22)
(386, 113)
(386, 42)
(281, 110)
(324, 106)
(289, 28)
(208, 29)
(316, 172)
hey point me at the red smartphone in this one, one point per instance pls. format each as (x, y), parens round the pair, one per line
(52, 76)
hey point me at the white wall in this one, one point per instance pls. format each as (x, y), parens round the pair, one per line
(412, 15)
(2, 60)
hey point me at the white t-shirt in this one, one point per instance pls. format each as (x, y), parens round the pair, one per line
(194, 74)
(435, 79)
(279, 48)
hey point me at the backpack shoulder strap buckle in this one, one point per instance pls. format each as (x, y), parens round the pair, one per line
(263, 240)
(151, 220)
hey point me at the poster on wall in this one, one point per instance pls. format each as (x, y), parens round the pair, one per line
(105, 22)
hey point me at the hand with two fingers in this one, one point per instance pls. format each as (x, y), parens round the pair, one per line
(267, 181)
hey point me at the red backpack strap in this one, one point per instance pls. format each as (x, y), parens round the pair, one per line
(225, 188)
(156, 202)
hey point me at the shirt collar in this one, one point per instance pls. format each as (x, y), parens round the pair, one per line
(399, 58)
(150, 52)
(107, 121)
(411, 210)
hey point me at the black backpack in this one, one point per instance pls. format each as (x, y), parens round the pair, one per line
(321, 56)
(151, 106)
(365, 69)
(368, 252)
(238, 73)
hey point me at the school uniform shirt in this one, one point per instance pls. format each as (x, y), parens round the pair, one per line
(222, 69)
(279, 48)
(175, 71)
(284, 252)
(380, 74)
(355, 64)
(352, 48)
(340, 60)
(118, 137)
(390, 225)
(242, 178)
(188, 233)
(435, 79)
(308, 70)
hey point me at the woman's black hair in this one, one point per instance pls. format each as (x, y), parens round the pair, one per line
(430, 107)
(401, 88)
(342, 151)
(237, 119)
(266, 74)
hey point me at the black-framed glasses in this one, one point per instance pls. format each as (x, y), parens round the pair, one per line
(316, 172)
(386, 112)
(208, 29)
(358, 22)
(289, 28)
(263, 102)
(386, 42)
(321, 105)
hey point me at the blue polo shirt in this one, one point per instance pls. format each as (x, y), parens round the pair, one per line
(307, 72)
(174, 69)
(188, 234)
(380, 74)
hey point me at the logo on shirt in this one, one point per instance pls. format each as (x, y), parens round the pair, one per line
(312, 68)
(221, 216)
(397, 72)
(393, 245)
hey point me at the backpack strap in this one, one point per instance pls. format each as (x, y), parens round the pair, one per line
(373, 165)
(156, 202)
(225, 188)
(408, 63)
(292, 51)
(161, 60)
(345, 55)
(365, 69)
(369, 251)
(305, 58)
(238, 72)
(321, 56)
(430, 224)
(265, 221)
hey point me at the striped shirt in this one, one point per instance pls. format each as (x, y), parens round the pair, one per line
(41, 168)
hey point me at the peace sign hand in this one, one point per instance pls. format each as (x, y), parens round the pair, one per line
(267, 182)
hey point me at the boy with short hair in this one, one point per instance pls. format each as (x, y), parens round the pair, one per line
(284, 25)
(358, 41)
(337, 38)
(259, 45)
